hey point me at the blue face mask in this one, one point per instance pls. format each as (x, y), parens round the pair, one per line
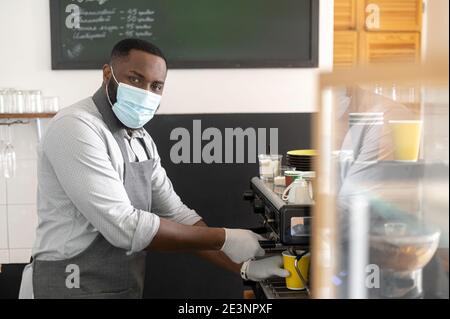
(134, 107)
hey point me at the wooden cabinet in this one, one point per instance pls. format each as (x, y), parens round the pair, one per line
(389, 47)
(395, 37)
(345, 48)
(395, 15)
(344, 14)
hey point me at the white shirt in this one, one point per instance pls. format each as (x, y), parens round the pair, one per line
(81, 192)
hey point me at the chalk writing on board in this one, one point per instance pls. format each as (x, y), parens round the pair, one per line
(100, 2)
(90, 25)
(75, 51)
(192, 34)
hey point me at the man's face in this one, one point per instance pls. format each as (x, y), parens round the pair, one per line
(139, 69)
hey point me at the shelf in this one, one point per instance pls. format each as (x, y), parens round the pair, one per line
(26, 115)
(401, 171)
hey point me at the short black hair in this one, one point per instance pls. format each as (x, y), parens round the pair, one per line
(123, 48)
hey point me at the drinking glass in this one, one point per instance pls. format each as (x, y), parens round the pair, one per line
(9, 156)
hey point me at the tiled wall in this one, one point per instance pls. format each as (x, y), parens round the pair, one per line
(18, 217)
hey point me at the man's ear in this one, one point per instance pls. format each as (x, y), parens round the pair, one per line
(106, 73)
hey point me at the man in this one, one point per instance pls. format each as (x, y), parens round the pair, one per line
(364, 145)
(104, 198)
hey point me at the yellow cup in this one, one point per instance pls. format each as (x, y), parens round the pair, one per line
(294, 282)
(406, 137)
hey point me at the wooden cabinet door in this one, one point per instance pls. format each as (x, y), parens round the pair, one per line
(344, 14)
(395, 15)
(389, 47)
(345, 48)
(394, 38)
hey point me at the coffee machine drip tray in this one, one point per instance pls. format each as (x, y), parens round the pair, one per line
(276, 289)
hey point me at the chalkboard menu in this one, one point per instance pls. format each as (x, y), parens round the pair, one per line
(191, 33)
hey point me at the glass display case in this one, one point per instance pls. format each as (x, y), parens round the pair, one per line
(380, 225)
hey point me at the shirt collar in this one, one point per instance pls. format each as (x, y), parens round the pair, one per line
(134, 133)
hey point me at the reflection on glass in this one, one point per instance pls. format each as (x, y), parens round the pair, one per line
(300, 226)
(394, 229)
(388, 149)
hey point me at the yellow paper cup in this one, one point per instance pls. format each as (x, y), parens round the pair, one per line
(406, 137)
(294, 282)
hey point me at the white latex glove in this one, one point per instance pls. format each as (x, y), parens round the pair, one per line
(261, 269)
(241, 245)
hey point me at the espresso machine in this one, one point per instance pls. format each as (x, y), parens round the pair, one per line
(284, 227)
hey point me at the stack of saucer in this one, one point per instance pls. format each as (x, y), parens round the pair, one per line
(301, 159)
(369, 119)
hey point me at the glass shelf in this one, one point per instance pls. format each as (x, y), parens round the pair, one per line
(401, 171)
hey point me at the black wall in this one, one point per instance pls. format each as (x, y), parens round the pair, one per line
(10, 278)
(214, 191)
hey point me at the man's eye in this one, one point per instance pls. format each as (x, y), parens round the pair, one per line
(134, 80)
(157, 87)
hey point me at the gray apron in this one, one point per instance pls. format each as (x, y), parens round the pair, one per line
(105, 271)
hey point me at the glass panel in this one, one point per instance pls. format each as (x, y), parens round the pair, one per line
(382, 212)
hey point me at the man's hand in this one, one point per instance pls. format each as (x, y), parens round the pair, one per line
(241, 245)
(261, 269)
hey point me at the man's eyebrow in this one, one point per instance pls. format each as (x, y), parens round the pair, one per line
(143, 77)
(138, 74)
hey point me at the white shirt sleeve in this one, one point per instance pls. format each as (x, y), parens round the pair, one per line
(165, 201)
(79, 156)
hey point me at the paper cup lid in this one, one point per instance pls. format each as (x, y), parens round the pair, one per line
(293, 173)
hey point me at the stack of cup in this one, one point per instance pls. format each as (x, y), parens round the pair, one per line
(361, 125)
(366, 118)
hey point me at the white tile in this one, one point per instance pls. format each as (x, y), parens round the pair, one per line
(3, 227)
(24, 140)
(44, 125)
(22, 223)
(4, 256)
(2, 189)
(22, 188)
(19, 256)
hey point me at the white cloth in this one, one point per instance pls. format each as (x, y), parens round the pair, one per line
(26, 287)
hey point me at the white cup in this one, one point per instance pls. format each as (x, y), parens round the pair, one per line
(298, 193)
